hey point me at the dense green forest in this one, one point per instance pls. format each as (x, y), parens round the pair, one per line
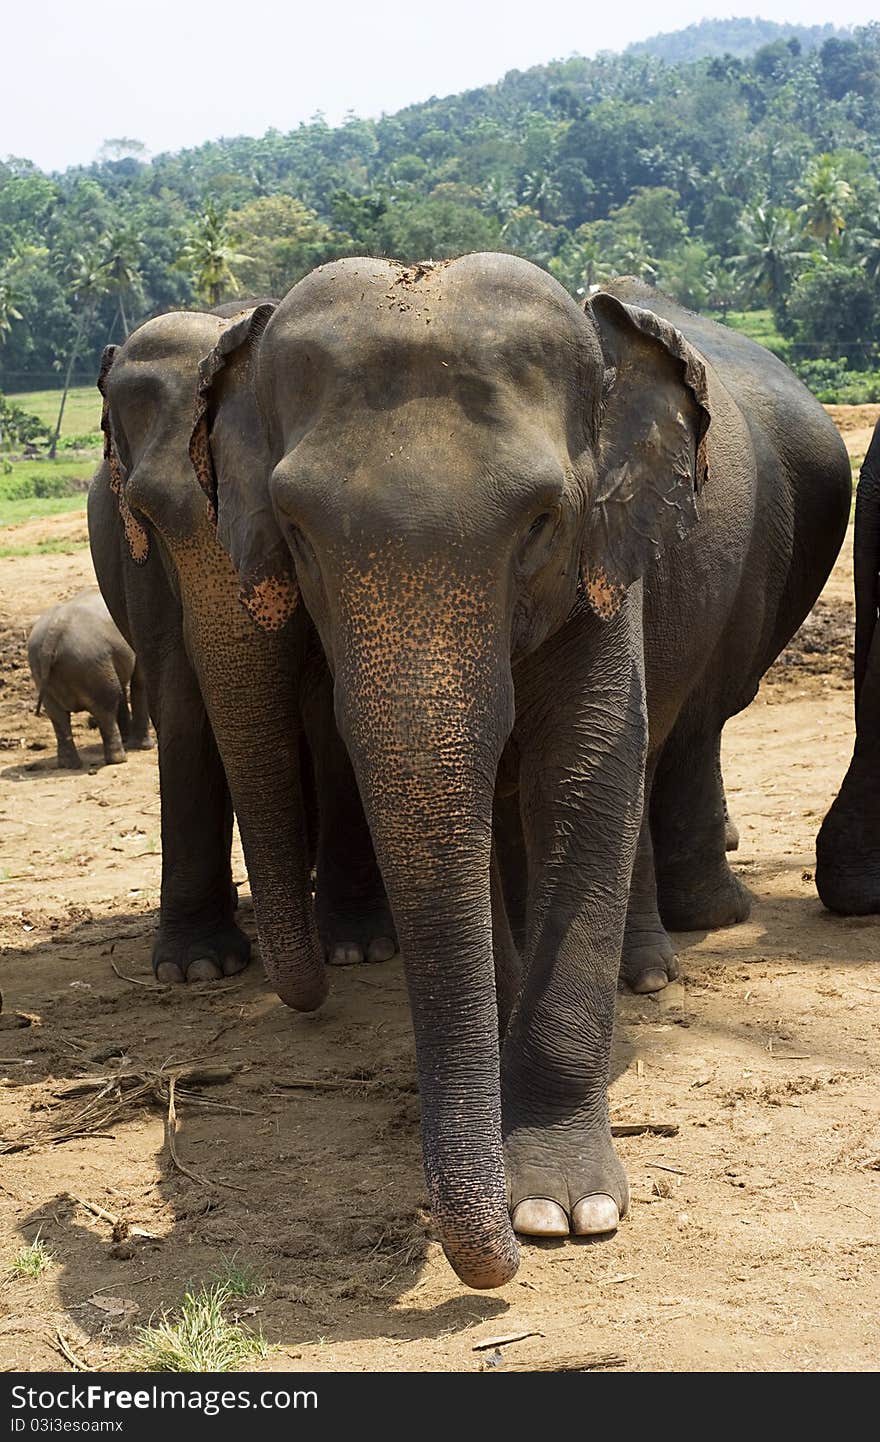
(736, 182)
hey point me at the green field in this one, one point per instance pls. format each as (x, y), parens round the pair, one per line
(31, 489)
(82, 413)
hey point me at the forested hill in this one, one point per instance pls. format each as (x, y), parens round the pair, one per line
(739, 37)
(733, 182)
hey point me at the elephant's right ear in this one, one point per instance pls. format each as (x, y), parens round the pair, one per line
(231, 460)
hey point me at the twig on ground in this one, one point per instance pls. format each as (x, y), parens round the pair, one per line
(504, 1341)
(638, 1129)
(584, 1362)
(135, 980)
(62, 1346)
(170, 1131)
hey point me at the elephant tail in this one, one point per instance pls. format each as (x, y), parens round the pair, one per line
(866, 559)
(42, 661)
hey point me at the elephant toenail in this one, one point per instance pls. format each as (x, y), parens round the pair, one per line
(382, 948)
(203, 969)
(594, 1214)
(346, 953)
(169, 971)
(539, 1217)
(233, 964)
(654, 979)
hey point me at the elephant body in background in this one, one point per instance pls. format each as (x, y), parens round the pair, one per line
(848, 844)
(80, 662)
(487, 500)
(230, 701)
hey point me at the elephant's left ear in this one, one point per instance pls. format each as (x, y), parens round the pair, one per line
(231, 460)
(652, 459)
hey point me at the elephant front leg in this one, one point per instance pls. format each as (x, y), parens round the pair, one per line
(198, 939)
(582, 786)
(352, 911)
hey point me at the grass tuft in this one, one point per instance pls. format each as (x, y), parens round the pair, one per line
(32, 1261)
(198, 1337)
(239, 1278)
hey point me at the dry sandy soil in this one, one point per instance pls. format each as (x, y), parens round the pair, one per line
(753, 1240)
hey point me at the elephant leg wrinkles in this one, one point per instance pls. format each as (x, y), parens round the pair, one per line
(581, 817)
(648, 960)
(696, 888)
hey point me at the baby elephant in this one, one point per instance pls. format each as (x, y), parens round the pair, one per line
(80, 662)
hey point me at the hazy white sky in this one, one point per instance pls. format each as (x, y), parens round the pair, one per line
(176, 72)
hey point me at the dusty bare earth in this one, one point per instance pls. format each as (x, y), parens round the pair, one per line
(753, 1242)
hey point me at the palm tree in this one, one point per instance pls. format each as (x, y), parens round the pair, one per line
(9, 299)
(121, 249)
(87, 282)
(209, 257)
(539, 192)
(499, 198)
(864, 244)
(827, 198)
(770, 249)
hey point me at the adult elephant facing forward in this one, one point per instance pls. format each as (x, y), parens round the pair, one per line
(230, 699)
(470, 477)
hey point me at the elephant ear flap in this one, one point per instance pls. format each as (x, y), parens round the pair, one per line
(232, 464)
(653, 459)
(135, 534)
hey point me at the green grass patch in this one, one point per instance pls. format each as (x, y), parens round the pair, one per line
(240, 1278)
(197, 1337)
(30, 508)
(82, 413)
(52, 547)
(32, 489)
(32, 1261)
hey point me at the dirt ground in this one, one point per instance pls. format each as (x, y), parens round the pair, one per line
(753, 1240)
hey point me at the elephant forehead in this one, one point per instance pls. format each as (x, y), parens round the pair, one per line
(492, 316)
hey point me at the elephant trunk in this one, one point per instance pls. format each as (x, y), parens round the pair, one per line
(425, 724)
(249, 681)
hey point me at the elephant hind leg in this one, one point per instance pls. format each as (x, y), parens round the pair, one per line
(648, 961)
(111, 735)
(68, 756)
(696, 888)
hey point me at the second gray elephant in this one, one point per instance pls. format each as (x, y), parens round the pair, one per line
(80, 662)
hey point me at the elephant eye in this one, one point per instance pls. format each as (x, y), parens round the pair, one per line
(539, 524)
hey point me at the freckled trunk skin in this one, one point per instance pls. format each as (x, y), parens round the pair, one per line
(239, 667)
(425, 714)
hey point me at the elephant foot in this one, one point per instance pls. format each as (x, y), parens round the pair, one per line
(205, 955)
(648, 961)
(115, 758)
(560, 1186)
(140, 743)
(69, 761)
(707, 906)
(354, 923)
(850, 892)
(350, 940)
